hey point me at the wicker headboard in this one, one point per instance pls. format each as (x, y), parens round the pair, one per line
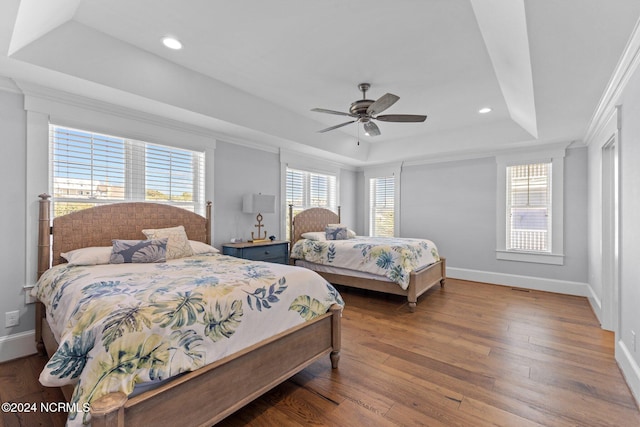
(97, 226)
(313, 219)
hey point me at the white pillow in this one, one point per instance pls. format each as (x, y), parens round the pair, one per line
(315, 235)
(178, 245)
(92, 255)
(201, 248)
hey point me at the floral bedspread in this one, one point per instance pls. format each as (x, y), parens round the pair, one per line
(392, 257)
(122, 324)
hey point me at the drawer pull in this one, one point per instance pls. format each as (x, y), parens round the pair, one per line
(266, 252)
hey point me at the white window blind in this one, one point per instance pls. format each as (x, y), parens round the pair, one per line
(90, 169)
(306, 189)
(382, 206)
(529, 207)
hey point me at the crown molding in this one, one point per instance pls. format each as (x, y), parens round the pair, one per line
(491, 153)
(623, 72)
(7, 85)
(288, 155)
(35, 93)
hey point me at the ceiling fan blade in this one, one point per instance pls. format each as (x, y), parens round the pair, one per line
(402, 118)
(382, 103)
(371, 129)
(336, 126)
(338, 113)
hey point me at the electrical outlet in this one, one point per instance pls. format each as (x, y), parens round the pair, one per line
(11, 318)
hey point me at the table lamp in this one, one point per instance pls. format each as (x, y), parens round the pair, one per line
(259, 203)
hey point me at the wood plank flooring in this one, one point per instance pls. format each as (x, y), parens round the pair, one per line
(471, 355)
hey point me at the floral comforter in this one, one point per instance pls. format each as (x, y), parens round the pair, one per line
(392, 257)
(122, 324)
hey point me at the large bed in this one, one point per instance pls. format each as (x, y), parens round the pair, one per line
(315, 220)
(218, 384)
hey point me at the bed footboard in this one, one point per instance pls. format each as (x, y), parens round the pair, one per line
(208, 395)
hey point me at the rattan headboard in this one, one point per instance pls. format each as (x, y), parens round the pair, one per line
(97, 226)
(313, 219)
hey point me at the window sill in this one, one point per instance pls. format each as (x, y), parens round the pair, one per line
(538, 258)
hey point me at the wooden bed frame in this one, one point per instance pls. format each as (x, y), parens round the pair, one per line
(316, 219)
(207, 395)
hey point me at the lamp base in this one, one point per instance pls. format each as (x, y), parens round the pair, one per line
(259, 240)
(259, 227)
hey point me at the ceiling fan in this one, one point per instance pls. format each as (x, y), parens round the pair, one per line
(365, 110)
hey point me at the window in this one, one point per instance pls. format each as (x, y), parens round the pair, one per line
(382, 206)
(89, 169)
(530, 207)
(306, 189)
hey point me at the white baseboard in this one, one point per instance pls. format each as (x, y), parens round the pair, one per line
(630, 369)
(596, 304)
(17, 345)
(527, 282)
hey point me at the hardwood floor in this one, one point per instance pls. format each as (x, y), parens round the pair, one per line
(471, 355)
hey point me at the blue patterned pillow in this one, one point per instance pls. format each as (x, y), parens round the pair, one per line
(336, 233)
(139, 251)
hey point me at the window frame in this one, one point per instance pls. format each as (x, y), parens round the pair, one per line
(135, 158)
(373, 205)
(395, 171)
(307, 189)
(301, 162)
(555, 255)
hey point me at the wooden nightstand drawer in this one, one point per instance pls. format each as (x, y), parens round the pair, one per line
(276, 251)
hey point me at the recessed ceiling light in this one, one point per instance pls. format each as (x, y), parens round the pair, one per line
(484, 110)
(172, 43)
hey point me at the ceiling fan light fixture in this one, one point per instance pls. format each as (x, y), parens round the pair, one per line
(172, 43)
(485, 110)
(365, 111)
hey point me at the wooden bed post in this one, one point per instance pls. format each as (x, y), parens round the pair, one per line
(208, 225)
(339, 216)
(44, 260)
(108, 411)
(291, 236)
(336, 334)
(44, 234)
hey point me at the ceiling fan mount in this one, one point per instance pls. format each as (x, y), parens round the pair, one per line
(365, 110)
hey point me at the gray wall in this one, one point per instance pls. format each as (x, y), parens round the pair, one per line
(349, 198)
(238, 171)
(454, 204)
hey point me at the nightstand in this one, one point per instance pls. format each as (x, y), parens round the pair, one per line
(276, 251)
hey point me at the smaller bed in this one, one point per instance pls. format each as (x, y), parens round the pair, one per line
(420, 279)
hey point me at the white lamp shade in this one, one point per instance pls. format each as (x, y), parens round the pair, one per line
(259, 203)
